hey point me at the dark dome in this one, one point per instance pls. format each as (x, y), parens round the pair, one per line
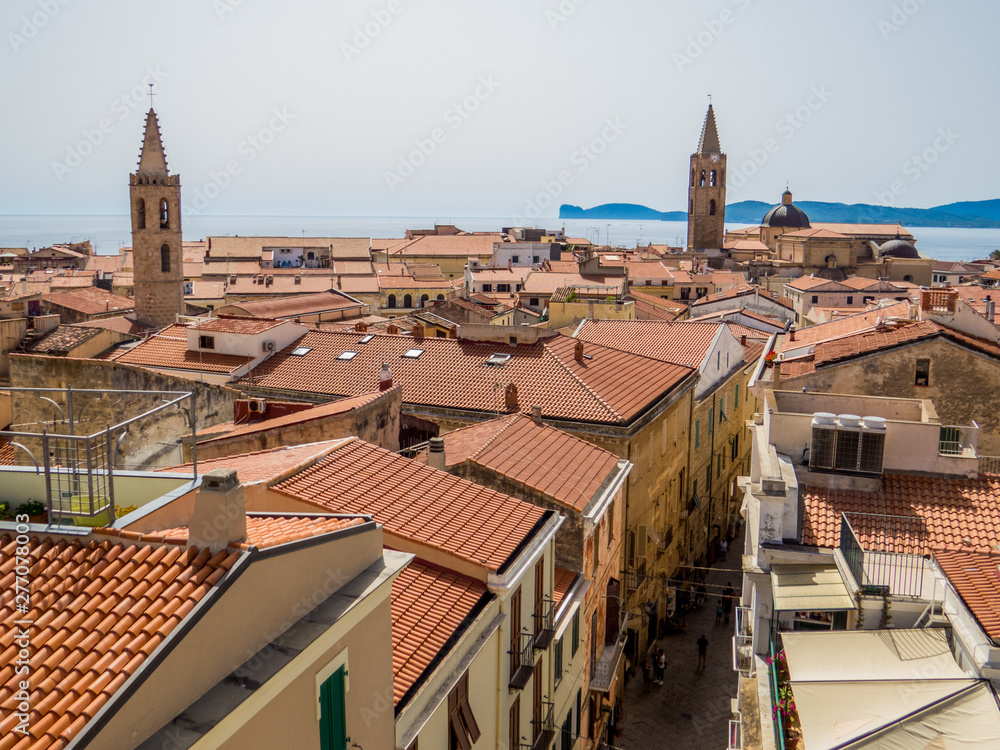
(786, 215)
(898, 248)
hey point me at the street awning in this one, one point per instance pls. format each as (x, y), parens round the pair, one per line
(887, 690)
(810, 588)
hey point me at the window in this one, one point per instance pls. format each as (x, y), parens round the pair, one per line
(514, 728)
(206, 342)
(515, 258)
(165, 258)
(461, 721)
(366, 338)
(735, 452)
(708, 475)
(566, 736)
(412, 353)
(702, 180)
(503, 287)
(533, 302)
(850, 300)
(301, 351)
(923, 374)
(487, 287)
(348, 355)
(391, 301)
(697, 432)
(534, 258)
(711, 420)
(736, 395)
(711, 206)
(538, 618)
(575, 633)
(140, 214)
(557, 661)
(423, 300)
(498, 359)
(408, 301)
(718, 466)
(164, 214)
(713, 180)
(440, 298)
(815, 299)
(332, 719)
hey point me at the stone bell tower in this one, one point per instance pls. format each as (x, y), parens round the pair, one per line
(158, 262)
(707, 191)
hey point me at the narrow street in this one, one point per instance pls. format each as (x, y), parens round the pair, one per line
(691, 710)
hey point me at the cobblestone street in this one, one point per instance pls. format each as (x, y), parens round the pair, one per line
(691, 710)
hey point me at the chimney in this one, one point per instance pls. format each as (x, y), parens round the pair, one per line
(435, 457)
(361, 327)
(990, 308)
(578, 351)
(776, 378)
(384, 377)
(510, 397)
(743, 340)
(418, 330)
(392, 329)
(536, 414)
(453, 332)
(791, 334)
(220, 514)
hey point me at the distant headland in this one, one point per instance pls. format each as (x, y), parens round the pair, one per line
(965, 215)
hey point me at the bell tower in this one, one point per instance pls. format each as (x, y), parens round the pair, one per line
(707, 191)
(158, 263)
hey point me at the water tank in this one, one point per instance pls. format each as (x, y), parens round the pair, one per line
(824, 418)
(849, 420)
(874, 423)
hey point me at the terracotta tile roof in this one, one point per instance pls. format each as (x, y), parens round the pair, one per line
(948, 513)
(815, 232)
(100, 608)
(90, 300)
(463, 245)
(974, 575)
(848, 326)
(543, 458)
(668, 304)
(263, 466)
(237, 324)
(502, 275)
(63, 339)
(744, 291)
(103, 263)
(169, 349)
(866, 230)
(416, 502)
(612, 386)
(562, 583)
(281, 285)
(545, 282)
(307, 415)
(120, 323)
(746, 246)
(290, 307)
(861, 283)
(263, 529)
(428, 607)
(686, 343)
(389, 283)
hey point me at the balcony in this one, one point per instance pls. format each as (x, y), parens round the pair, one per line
(607, 665)
(735, 734)
(894, 564)
(544, 728)
(956, 440)
(522, 661)
(545, 628)
(989, 464)
(743, 642)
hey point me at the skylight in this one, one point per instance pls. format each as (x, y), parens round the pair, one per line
(413, 353)
(498, 359)
(301, 351)
(366, 338)
(347, 355)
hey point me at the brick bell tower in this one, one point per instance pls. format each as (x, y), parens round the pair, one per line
(158, 263)
(707, 191)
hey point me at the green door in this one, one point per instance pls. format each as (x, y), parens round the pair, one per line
(332, 724)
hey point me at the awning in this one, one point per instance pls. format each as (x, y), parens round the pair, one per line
(810, 588)
(887, 690)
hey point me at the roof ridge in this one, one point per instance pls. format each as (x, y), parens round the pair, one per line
(580, 380)
(510, 421)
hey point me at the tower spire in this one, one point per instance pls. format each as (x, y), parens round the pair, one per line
(709, 141)
(152, 158)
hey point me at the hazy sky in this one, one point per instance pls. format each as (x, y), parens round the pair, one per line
(495, 108)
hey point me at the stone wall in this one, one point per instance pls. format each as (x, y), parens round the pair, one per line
(150, 442)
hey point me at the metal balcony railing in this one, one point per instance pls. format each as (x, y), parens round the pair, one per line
(522, 661)
(893, 562)
(606, 666)
(989, 464)
(545, 628)
(544, 728)
(743, 642)
(735, 734)
(956, 440)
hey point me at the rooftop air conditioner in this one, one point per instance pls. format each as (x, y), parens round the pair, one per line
(257, 405)
(268, 346)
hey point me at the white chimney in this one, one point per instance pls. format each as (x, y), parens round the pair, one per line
(220, 513)
(435, 457)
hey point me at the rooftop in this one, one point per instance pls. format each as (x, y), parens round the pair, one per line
(975, 578)
(169, 349)
(301, 304)
(90, 300)
(263, 466)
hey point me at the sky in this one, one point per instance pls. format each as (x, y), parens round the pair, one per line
(495, 108)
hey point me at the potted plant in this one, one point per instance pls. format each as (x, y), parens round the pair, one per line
(5, 514)
(34, 510)
(770, 358)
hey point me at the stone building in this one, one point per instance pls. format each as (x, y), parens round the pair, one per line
(155, 196)
(707, 190)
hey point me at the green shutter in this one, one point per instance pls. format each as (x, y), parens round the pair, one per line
(576, 631)
(697, 432)
(332, 722)
(736, 399)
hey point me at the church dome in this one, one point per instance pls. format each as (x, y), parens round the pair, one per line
(897, 247)
(787, 215)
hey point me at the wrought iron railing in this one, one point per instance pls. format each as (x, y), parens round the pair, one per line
(893, 562)
(735, 734)
(958, 440)
(604, 669)
(544, 728)
(989, 464)
(522, 661)
(743, 642)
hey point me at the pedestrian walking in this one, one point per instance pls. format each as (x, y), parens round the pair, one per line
(718, 612)
(647, 676)
(661, 666)
(723, 546)
(702, 652)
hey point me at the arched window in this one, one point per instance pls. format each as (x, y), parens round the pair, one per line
(407, 301)
(164, 214)
(713, 178)
(391, 302)
(310, 255)
(711, 208)
(423, 300)
(165, 258)
(440, 298)
(140, 214)
(703, 178)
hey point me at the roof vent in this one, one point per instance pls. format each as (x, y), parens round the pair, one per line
(849, 421)
(825, 419)
(873, 423)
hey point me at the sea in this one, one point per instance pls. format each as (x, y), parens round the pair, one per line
(109, 233)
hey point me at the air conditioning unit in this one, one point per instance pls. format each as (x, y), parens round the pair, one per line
(257, 405)
(268, 346)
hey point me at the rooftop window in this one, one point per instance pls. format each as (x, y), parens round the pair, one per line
(301, 351)
(412, 353)
(347, 355)
(498, 359)
(366, 338)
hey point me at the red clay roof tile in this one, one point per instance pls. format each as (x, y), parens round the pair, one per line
(976, 577)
